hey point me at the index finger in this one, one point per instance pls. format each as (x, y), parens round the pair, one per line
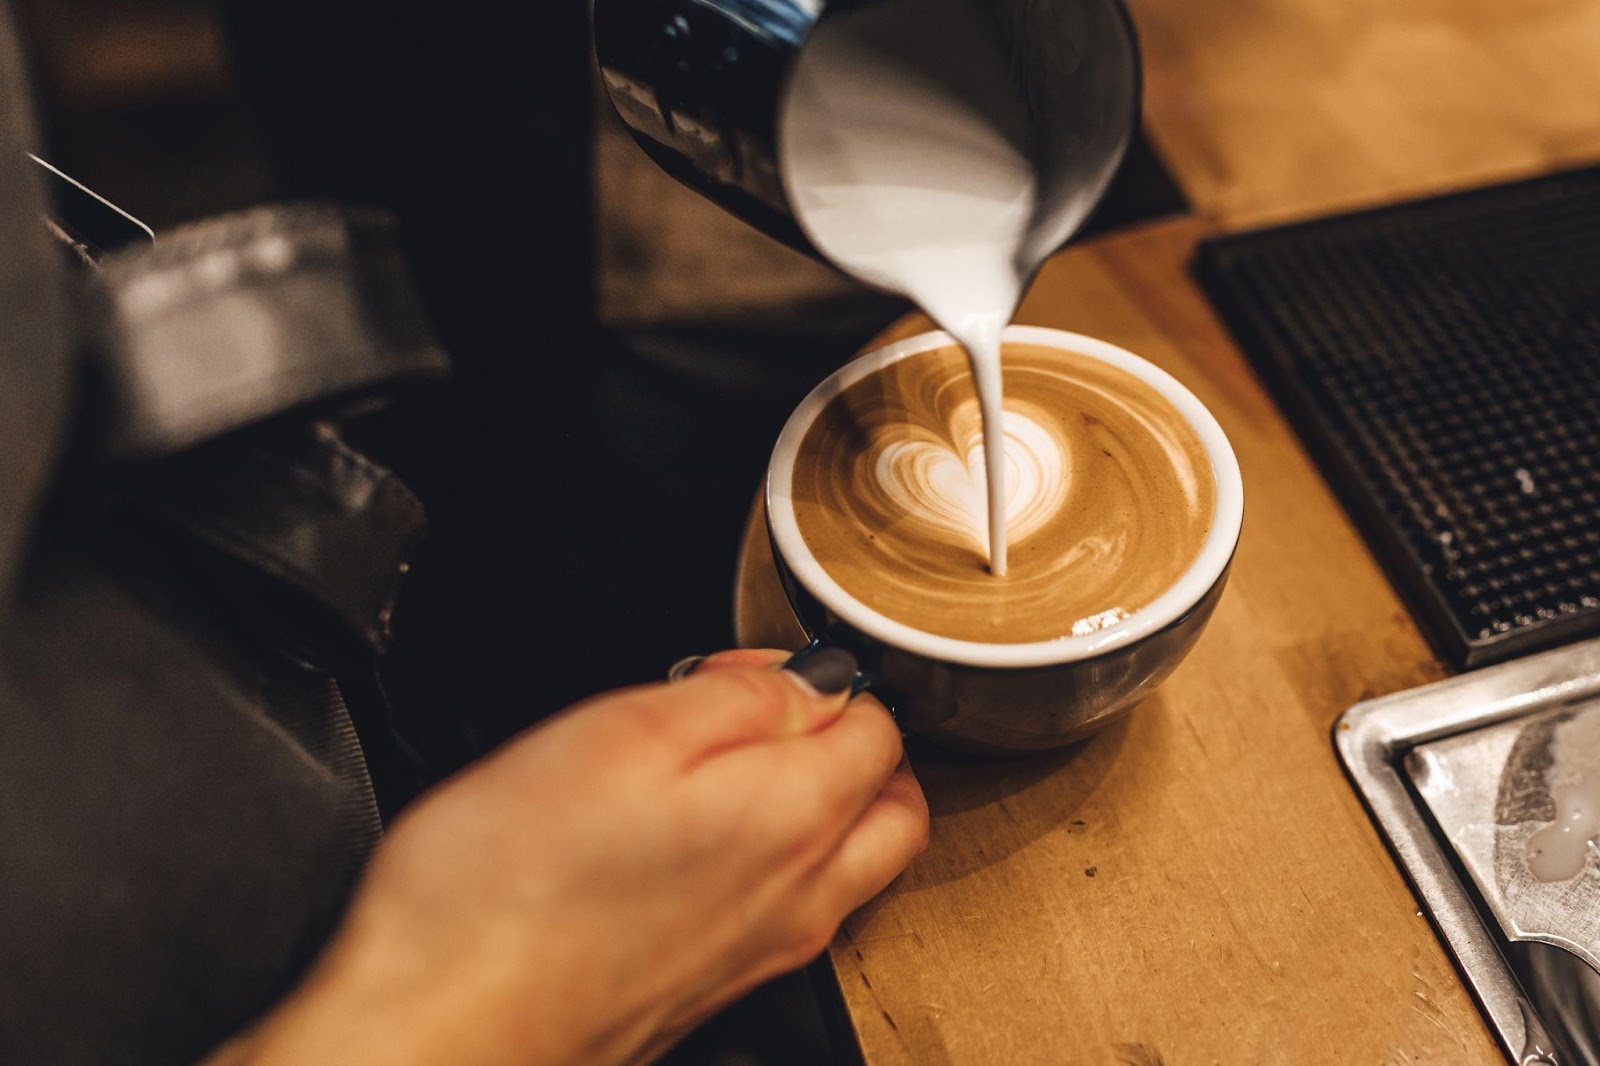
(761, 658)
(711, 710)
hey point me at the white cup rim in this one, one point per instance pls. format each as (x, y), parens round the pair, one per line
(1207, 568)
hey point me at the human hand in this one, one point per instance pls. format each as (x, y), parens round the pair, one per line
(611, 877)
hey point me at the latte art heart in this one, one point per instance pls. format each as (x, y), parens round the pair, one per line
(929, 482)
(1108, 495)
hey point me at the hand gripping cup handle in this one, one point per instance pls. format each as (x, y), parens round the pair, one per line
(1005, 698)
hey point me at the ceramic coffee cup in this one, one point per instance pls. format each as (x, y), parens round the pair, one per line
(1008, 698)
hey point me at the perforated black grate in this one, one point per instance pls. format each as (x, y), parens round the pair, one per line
(1441, 359)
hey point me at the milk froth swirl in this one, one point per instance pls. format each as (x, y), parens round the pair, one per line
(1109, 495)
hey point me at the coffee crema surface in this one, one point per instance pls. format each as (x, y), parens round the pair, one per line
(1109, 495)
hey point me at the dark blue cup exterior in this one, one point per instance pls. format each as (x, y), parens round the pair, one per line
(1006, 710)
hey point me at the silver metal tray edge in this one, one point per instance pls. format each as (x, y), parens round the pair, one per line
(1374, 736)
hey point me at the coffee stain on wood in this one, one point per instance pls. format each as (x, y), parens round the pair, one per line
(1137, 1055)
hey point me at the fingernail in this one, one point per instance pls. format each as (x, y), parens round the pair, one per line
(684, 667)
(825, 671)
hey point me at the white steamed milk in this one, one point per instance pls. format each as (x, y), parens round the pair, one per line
(1561, 850)
(1566, 847)
(903, 142)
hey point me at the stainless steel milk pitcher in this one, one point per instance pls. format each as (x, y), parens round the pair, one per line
(701, 84)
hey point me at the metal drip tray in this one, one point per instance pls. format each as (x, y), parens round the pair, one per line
(1460, 777)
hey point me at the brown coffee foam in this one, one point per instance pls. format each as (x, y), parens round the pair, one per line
(1138, 503)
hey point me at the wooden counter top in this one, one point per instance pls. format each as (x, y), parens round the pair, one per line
(1200, 884)
(1271, 109)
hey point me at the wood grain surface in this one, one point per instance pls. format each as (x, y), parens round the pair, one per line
(1200, 884)
(1270, 109)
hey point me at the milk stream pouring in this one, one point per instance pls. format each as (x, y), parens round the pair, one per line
(941, 149)
(906, 164)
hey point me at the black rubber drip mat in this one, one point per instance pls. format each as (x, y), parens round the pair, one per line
(1441, 360)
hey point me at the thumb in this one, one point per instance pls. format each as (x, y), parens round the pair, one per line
(735, 704)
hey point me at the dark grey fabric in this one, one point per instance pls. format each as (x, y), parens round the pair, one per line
(256, 311)
(181, 817)
(185, 804)
(34, 370)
